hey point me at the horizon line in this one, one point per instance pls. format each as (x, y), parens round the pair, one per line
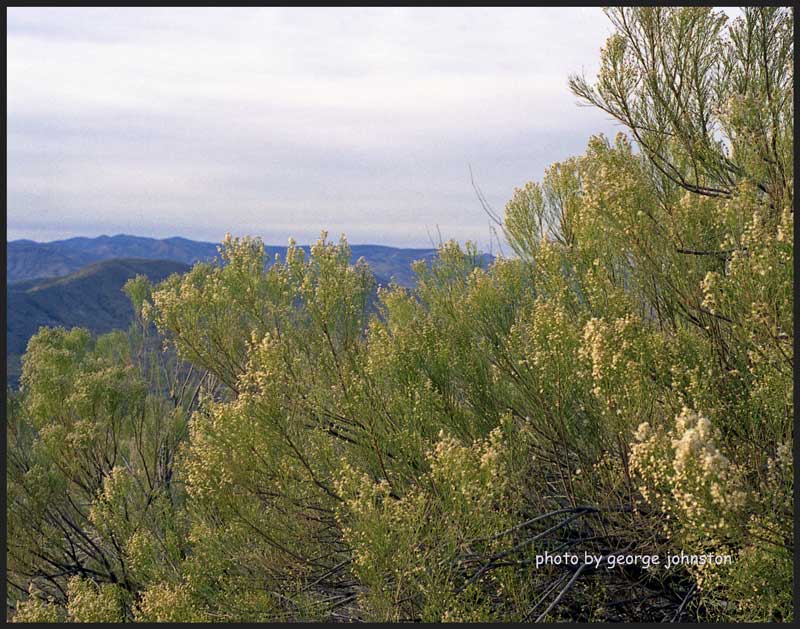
(210, 242)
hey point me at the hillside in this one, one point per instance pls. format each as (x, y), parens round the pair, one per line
(91, 297)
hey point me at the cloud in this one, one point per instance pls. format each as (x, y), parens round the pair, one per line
(284, 121)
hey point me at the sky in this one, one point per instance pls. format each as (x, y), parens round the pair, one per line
(281, 122)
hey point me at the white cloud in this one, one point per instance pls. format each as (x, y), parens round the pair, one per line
(282, 121)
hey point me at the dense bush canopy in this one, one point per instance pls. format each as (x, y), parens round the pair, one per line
(279, 444)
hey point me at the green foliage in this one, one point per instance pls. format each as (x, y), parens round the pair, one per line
(36, 609)
(89, 602)
(279, 444)
(90, 468)
(710, 107)
(405, 564)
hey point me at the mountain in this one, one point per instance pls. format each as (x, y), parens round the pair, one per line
(34, 260)
(91, 298)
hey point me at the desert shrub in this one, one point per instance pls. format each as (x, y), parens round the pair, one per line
(275, 440)
(410, 569)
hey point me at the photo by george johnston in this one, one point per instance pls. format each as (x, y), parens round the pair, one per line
(399, 314)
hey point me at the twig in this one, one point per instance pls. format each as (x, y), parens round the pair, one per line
(561, 594)
(685, 600)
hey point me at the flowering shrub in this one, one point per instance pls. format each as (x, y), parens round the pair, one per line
(407, 565)
(280, 442)
(682, 471)
(89, 602)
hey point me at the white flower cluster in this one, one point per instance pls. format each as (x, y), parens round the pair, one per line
(611, 349)
(684, 473)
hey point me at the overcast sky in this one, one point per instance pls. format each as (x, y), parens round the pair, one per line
(282, 122)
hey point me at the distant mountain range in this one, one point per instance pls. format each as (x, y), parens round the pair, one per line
(34, 260)
(78, 281)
